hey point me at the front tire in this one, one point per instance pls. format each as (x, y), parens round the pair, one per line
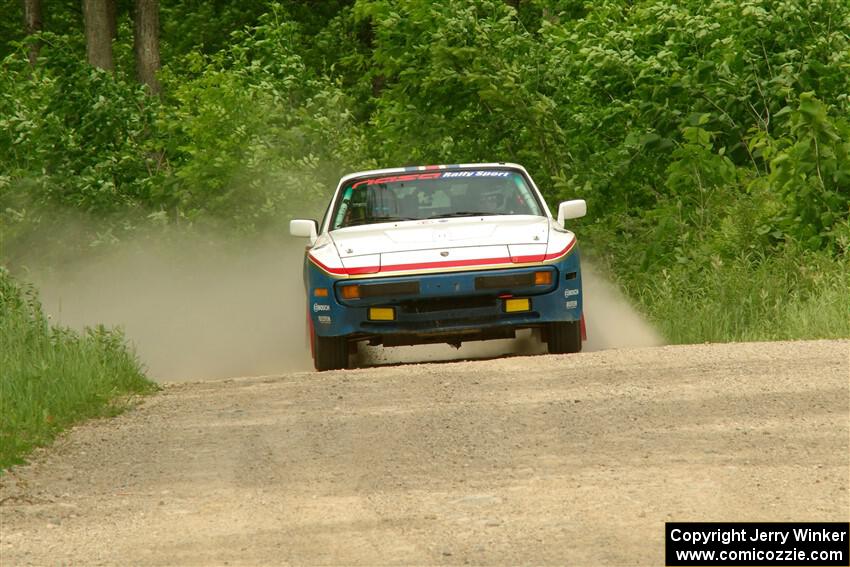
(564, 337)
(330, 353)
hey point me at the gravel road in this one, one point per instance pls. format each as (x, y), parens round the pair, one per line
(556, 460)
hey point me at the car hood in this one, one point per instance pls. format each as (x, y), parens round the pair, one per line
(442, 243)
(407, 236)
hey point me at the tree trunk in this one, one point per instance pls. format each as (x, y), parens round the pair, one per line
(98, 33)
(33, 24)
(112, 17)
(146, 43)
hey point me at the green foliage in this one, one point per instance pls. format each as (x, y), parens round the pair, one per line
(245, 136)
(87, 151)
(60, 17)
(459, 83)
(11, 25)
(53, 377)
(250, 133)
(72, 138)
(795, 294)
(204, 25)
(811, 168)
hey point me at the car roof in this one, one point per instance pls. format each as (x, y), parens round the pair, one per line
(413, 168)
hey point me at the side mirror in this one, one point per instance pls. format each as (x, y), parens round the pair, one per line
(574, 209)
(304, 228)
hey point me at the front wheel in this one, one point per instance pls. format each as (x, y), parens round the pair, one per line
(564, 337)
(330, 353)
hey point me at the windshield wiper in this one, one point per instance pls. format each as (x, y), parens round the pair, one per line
(461, 214)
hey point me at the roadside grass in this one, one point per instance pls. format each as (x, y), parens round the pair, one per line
(790, 295)
(52, 377)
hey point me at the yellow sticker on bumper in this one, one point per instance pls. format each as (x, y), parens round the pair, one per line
(381, 314)
(515, 305)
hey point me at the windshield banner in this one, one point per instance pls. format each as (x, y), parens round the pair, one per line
(432, 175)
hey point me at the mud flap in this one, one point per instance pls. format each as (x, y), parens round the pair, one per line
(310, 335)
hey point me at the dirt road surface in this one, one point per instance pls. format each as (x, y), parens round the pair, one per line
(557, 460)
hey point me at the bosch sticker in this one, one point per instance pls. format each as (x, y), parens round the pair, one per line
(320, 307)
(570, 292)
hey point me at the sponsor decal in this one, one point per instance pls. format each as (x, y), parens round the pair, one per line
(475, 174)
(571, 304)
(325, 319)
(570, 292)
(320, 307)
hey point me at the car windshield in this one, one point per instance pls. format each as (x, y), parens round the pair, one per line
(433, 195)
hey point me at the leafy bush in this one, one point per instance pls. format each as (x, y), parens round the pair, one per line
(246, 135)
(74, 135)
(251, 134)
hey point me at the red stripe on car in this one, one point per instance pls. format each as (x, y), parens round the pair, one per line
(445, 263)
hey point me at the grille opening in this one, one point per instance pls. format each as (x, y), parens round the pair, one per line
(431, 304)
(389, 289)
(505, 282)
(571, 275)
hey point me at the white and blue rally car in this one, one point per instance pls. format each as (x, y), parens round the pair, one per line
(440, 254)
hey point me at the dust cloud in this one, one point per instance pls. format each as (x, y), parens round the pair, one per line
(196, 308)
(193, 309)
(612, 322)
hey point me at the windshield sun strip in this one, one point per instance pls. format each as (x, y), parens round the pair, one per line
(527, 192)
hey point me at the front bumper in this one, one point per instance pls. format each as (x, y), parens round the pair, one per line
(427, 307)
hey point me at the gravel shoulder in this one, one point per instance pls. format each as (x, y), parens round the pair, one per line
(522, 460)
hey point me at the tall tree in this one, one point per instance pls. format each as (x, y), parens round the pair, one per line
(146, 43)
(98, 33)
(112, 15)
(32, 24)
